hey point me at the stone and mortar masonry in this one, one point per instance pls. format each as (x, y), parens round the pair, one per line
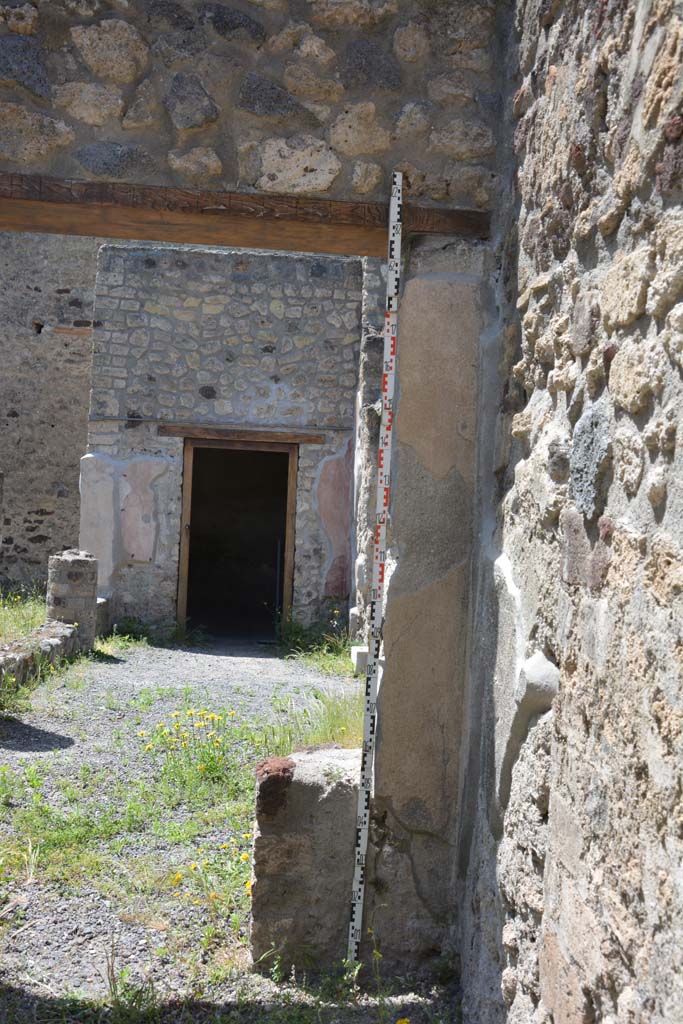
(45, 336)
(221, 338)
(318, 97)
(70, 626)
(571, 891)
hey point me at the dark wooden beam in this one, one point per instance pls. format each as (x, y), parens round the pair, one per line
(243, 219)
(208, 433)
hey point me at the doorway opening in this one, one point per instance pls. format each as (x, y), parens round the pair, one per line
(237, 544)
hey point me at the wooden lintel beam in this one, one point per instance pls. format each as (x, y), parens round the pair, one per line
(207, 433)
(246, 220)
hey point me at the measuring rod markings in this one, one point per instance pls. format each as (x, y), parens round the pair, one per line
(378, 565)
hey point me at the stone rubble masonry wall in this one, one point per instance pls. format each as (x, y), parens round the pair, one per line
(21, 660)
(571, 888)
(303, 859)
(321, 96)
(226, 338)
(72, 593)
(45, 339)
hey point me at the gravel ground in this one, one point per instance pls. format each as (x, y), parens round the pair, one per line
(58, 938)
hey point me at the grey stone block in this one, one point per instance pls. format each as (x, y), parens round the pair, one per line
(263, 97)
(112, 159)
(22, 61)
(366, 64)
(303, 858)
(188, 103)
(232, 23)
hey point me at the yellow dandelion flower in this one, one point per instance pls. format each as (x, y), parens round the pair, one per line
(195, 902)
(177, 878)
(204, 863)
(224, 846)
(232, 714)
(176, 714)
(246, 835)
(211, 734)
(176, 893)
(161, 725)
(200, 849)
(244, 857)
(183, 745)
(191, 712)
(213, 895)
(193, 866)
(184, 735)
(403, 1020)
(142, 732)
(202, 767)
(247, 886)
(149, 746)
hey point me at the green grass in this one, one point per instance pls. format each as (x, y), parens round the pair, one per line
(324, 646)
(21, 610)
(201, 782)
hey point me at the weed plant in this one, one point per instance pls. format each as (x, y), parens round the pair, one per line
(21, 610)
(324, 646)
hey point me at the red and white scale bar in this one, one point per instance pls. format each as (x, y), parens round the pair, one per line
(378, 566)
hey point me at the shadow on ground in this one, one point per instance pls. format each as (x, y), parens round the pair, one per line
(16, 735)
(20, 1007)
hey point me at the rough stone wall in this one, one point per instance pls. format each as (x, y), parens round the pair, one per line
(225, 338)
(572, 904)
(293, 96)
(45, 336)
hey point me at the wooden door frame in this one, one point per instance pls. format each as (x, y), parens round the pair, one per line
(256, 445)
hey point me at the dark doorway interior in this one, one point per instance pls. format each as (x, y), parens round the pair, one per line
(237, 542)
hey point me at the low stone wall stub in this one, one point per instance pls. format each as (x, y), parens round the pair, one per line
(303, 858)
(72, 593)
(21, 660)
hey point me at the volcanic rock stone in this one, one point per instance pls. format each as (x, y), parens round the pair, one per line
(188, 103)
(265, 98)
(197, 164)
(90, 102)
(301, 81)
(112, 49)
(167, 14)
(367, 66)
(299, 164)
(356, 131)
(357, 13)
(27, 137)
(636, 373)
(411, 43)
(232, 23)
(412, 120)
(450, 91)
(114, 160)
(366, 177)
(19, 17)
(171, 47)
(590, 454)
(624, 288)
(143, 109)
(22, 62)
(462, 140)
